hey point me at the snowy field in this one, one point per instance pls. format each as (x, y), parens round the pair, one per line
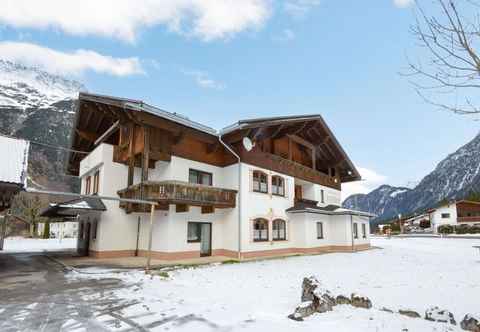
(258, 296)
(20, 244)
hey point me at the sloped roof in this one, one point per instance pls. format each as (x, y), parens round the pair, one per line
(13, 168)
(331, 209)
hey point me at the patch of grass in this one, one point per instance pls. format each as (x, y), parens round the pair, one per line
(231, 261)
(163, 274)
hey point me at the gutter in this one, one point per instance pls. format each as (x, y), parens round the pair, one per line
(239, 194)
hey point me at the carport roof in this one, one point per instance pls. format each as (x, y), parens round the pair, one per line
(73, 208)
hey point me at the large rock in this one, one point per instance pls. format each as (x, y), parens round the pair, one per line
(360, 301)
(303, 310)
(342, 299)
(409, 313)
(309, 286)
(435, 314)
(470, 323)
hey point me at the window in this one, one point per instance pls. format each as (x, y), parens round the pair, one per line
(319, 230)
(260, 230)
(322, 196)
(279, 230)
(200, 177)
(94, 229)
(355, 230)
(445, 215)
(278, 185)
(96, 181)
(260, 182)
(364, 231)
(194, 232)
(88, 185)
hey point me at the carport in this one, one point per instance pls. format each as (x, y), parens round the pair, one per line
(86, 211)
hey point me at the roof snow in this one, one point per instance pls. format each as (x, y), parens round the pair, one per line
(13, 168)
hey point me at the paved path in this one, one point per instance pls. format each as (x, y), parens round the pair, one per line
(36, 296)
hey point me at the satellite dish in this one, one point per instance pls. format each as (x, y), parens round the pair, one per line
(248, 144)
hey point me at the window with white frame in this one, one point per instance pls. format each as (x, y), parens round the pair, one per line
(260, 230)
(322, 196)
(364, 231)
(319, 230)
(260, 182)
(279, 230)
(278, 185)
(355, 230)
(445, 215)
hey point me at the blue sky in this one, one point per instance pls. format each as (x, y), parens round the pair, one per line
(220, 61)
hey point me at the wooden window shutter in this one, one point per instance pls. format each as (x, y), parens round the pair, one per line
(250, 181)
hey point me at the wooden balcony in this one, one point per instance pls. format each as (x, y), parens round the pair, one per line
(289, 167)
(474, 219)
(178, 193)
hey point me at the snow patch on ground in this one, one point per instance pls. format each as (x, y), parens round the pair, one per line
(20, 244)
(412, 272)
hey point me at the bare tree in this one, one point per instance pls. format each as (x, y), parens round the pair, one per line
(451, 35)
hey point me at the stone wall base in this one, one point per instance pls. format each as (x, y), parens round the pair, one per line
(173, 256)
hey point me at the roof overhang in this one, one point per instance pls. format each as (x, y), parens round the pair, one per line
(311, 128)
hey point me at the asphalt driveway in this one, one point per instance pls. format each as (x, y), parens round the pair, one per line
(35, 295)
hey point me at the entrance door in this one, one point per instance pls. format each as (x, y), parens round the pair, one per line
(205, 240)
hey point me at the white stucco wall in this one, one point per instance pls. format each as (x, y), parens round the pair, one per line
(118, 231)
(437, 219)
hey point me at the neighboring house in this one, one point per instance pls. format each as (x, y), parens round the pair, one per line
(455, 213)
(13, 169)
(13, 174)
(60, 230)
(283, 197)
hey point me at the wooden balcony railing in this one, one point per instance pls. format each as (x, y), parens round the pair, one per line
(468, 219)
(177, 192)
(281, 165)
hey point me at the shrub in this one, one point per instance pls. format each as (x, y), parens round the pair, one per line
(445, 229)
(463, 229)
(475, 229)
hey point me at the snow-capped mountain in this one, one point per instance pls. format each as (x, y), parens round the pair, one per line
(454, 177)
(26, 87)
(38, 106)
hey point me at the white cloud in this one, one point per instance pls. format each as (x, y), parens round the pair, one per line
(299, 8)
(370, 180)
(73, 63)
(203, 80)
(285, 36)
(403, 3)
(124, 19)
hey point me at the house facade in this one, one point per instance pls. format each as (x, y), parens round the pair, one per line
(455, 213)
(261, 187)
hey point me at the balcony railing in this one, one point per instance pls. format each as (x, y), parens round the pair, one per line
(468, 219)
(177, 192)
(281, 165)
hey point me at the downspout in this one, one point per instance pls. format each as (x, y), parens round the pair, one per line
(239, 194)
(351, 232)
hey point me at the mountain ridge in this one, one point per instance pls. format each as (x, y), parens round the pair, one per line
(453, 178)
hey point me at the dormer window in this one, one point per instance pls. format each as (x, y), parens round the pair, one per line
(260, 182)
(278, 185)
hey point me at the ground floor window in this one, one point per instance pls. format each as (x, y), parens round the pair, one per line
(319, 230)
(279, 229)
(260, 230)
(364, 231)
(355, 230)
(194, 232)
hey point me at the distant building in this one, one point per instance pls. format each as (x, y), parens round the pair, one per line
(455, 213)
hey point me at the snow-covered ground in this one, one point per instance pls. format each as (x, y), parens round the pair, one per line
(407, 273)
(20, 244)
